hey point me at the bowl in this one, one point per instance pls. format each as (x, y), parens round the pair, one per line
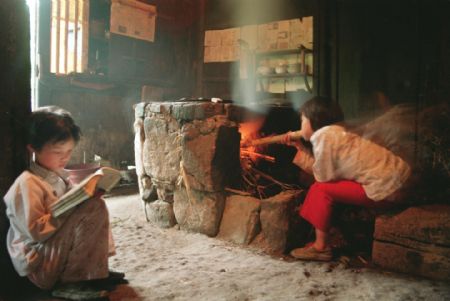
(280, 69)
(294, 68)
(264, 70)
(77, 172)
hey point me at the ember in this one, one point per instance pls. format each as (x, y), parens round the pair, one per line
(254, 180)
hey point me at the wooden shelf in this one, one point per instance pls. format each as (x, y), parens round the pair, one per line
(282, 75)
(281, 52)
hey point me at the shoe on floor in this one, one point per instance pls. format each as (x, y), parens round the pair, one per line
(309, 252)
(116, 275)
(79, 291)
(109, 283)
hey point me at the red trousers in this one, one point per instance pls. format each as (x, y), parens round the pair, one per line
(318, 206)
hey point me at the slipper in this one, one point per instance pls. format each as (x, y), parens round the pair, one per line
(309, 252)
(109, 283)
(116, 275)
(79, 291)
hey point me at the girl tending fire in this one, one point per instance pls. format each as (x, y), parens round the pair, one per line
(347, 168)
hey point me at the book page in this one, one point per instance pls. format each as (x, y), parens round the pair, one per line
(83, 183)
(105, 178)
(110, 178)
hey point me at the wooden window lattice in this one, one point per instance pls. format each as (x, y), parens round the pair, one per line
(69, 36)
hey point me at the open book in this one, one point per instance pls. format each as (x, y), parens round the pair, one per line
(103, 179)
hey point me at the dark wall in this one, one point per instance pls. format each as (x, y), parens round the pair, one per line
(234, 13)
(14, 109)
(396, 47)
(106, 121)
(399, 48)
(102, 103)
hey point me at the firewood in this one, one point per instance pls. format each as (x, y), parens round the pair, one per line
(265, 157)
(273, 139)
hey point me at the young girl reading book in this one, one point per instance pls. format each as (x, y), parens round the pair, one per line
(55, 251)
(347, 168)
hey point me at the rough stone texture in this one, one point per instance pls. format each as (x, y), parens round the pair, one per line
(189, 111)
(139, 139)
(209, 149)
(161, 214)
(192, 144)
(198, 211)
(161, 152)
(240, 221)
(148, 193)
(274, 216)
(416, 241)
(139, 110)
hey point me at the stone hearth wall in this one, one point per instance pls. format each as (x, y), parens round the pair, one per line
(186, 154)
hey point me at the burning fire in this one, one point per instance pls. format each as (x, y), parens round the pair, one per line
(250, 130)
(254, 181)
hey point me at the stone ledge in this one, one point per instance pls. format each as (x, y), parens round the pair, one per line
(415, 241)
(240, 221)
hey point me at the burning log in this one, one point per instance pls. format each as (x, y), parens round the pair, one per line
(265, 157)
(273, 139)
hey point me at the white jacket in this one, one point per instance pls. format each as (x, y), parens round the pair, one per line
(27, 207)
(342, 155)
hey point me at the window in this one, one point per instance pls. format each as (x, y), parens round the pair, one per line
(69, 36)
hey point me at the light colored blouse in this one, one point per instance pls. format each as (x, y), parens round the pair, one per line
(341, 155)
(28, 201)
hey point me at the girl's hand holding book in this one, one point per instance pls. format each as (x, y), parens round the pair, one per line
(99, 193)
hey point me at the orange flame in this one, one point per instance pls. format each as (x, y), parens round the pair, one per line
(250, 130)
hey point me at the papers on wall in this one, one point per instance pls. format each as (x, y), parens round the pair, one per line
(273, 36)
(249, 36)
(213, 38)
(134, 19)
(230, 44)
(212, 54)
(222, 45)
(301, 32)
(247, 44)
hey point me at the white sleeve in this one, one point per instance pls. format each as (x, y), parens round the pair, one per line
(325, 149)
(304, 159)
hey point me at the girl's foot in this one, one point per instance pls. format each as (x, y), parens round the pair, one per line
(310, 252)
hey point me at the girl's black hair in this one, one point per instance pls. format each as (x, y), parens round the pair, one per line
(51, 125)
(321, 111)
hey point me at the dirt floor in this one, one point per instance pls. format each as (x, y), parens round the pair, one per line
(172, 264)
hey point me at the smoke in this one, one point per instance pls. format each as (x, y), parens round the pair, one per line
(420, 137)
(394, 129)
(243, 14)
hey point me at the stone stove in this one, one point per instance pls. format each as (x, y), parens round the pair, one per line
(187, 154)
